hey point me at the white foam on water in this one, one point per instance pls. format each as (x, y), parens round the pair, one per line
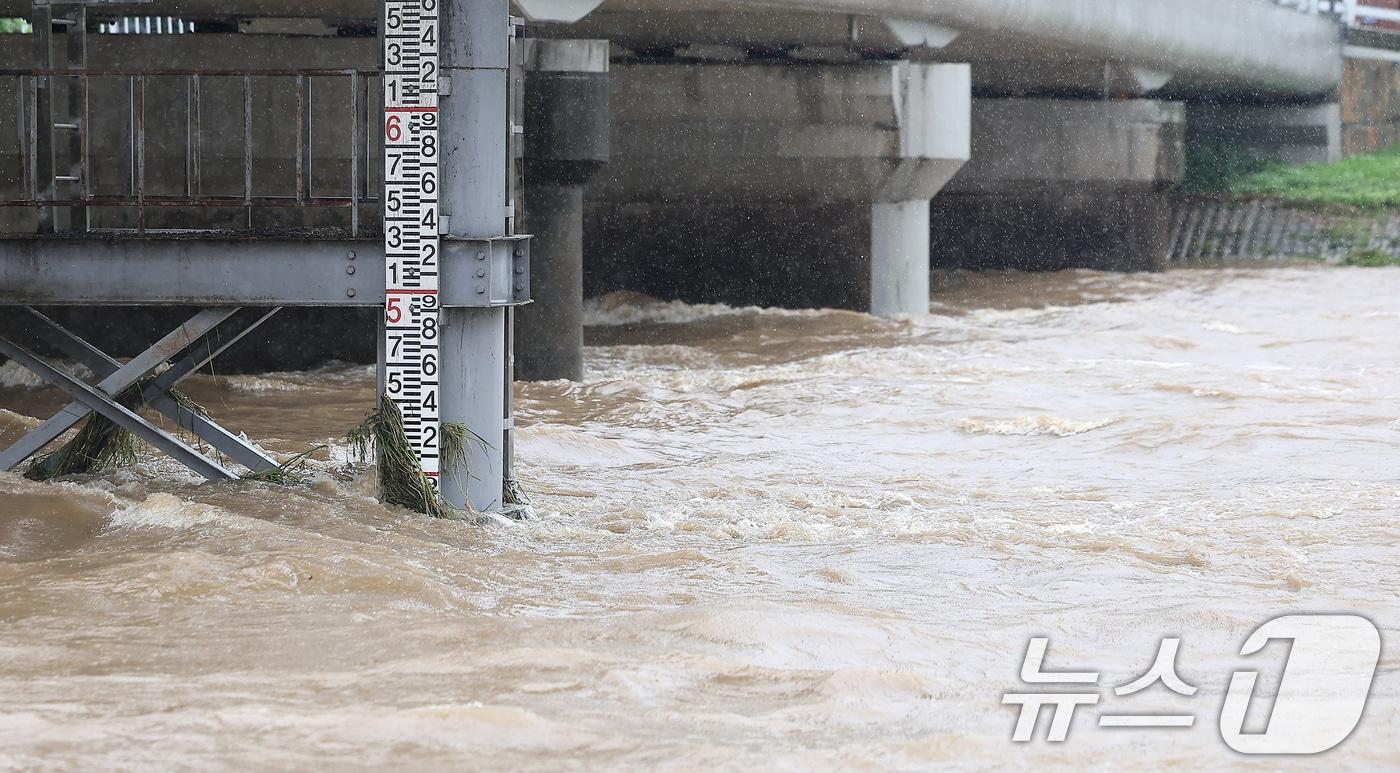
(167, 511)
(1223, 327)
(332, 374)
(1031, 425)
(627, 308)
(14, 375)
(558, 444)
(268, 383)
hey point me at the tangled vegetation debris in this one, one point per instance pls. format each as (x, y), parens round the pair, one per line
(102, 445)
(401, 481)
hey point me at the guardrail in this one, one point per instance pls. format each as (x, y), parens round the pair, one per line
(1356, 14)
(1312, 6)
(145, 25)
(59, 123)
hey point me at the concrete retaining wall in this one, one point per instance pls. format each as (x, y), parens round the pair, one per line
(1207, 230)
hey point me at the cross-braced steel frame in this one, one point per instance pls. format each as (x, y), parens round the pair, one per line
(180, 353)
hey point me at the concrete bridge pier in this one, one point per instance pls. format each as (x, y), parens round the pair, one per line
(793, 183)
(899, 257)
(1063, 183)
(566, 143)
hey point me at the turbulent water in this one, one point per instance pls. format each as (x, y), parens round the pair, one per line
(764, 538)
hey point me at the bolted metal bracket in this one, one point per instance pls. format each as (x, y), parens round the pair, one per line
(486, 273)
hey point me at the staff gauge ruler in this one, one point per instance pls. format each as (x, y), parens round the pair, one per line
(411, 244)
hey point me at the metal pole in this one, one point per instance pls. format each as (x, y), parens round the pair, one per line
(248, 150)
(196, 137)
(474, 131)
(301, 137)
(141, 153)
(44, 169)
(356, 116)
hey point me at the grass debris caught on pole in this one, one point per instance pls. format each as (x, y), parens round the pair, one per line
(100, 445)
(381, 437)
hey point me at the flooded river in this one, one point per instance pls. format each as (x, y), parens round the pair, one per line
(765, 539)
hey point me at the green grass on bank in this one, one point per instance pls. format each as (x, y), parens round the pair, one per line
(1362, 182)
(1372, 258)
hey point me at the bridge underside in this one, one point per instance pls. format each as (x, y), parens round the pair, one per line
(1202, 45)
(795, 152)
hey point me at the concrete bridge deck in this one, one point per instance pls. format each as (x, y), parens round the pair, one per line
(1252, 46)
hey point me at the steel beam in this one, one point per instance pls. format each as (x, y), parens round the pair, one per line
(232, 272)
(225, 442)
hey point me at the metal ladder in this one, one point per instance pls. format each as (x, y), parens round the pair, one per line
(60, 39)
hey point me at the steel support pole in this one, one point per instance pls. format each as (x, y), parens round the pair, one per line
(114, 384)
(214, 343)
(475, 131)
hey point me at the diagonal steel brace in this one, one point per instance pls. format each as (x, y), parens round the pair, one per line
(156, 394)
(226, 331)
(119, 414)
(229, 330)
(118, 380)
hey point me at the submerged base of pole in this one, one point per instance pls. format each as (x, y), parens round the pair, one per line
(473, 395)
(401, 481)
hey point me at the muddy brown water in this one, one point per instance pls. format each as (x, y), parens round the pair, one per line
(793, 540)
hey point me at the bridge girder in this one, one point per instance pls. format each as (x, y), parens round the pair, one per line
(1210, 45)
